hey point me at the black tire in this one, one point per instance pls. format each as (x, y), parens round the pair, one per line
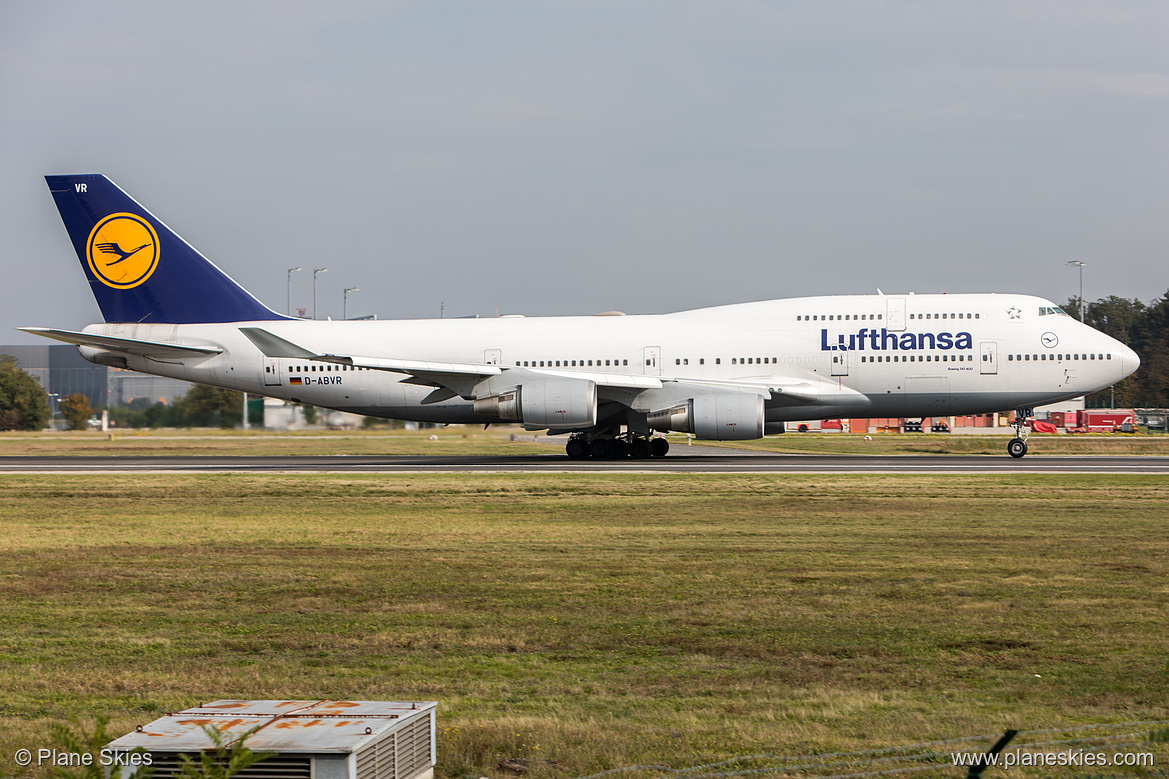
(601, 448)
(1017, 447)
(640, 449)
(658, 447)
(576, 449)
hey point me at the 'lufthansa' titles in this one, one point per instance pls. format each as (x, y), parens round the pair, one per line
(882, 340)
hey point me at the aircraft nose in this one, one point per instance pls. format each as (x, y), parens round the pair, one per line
(1129, 360)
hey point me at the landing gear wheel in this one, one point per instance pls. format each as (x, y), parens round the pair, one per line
(1017, 447)
(640, 449)
(601, 448)
(658, 447)
(576, 449)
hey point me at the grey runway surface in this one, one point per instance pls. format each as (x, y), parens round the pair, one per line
(681, 460)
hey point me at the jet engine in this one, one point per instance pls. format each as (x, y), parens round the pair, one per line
(726, 416)
(559, 404)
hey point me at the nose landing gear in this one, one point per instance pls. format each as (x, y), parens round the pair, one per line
(1017, 447)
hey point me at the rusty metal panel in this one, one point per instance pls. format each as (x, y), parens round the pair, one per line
(281, 726)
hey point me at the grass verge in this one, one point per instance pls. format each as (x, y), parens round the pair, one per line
(594, 621)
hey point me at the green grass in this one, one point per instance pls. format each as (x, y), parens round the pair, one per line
(594, 620)
(473, 440)
(956, 443)
(454, 440)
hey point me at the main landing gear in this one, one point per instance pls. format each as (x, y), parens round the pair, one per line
(1018, 445)
(616, 447)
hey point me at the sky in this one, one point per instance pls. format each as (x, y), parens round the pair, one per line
(547, 158)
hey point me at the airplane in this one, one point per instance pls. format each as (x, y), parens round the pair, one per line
(607, 382)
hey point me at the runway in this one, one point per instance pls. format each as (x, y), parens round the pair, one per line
(700, 460)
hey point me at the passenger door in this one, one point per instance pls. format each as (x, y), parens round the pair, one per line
(895, 315)
(272, 372)
(653, 360)
(990, 357)
(839, 363)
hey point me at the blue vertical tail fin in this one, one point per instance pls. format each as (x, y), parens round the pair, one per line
(138, 268)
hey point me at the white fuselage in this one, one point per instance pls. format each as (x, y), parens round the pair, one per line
(859, 355)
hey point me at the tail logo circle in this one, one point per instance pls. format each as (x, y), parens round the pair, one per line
(122, 250)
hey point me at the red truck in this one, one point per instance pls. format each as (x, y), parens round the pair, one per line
(1100, 420)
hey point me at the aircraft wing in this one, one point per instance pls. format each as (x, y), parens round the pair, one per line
(454, 378)
(126, 345)
(274, 346)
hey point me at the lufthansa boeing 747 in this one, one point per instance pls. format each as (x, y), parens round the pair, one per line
(606, 382)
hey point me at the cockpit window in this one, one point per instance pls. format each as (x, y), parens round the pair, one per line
(1048, 310)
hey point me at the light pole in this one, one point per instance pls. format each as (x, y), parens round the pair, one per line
(54, 402)
(345, 301)
(290, 272)
(1080, 264)
(315, 272)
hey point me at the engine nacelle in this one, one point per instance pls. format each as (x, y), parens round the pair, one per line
(727, 416)
(559, 404)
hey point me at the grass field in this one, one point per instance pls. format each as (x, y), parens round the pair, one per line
(593, 620)
(957, 443)
(474, 440)
(455, 440)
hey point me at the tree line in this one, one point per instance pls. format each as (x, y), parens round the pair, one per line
(1145, 329)
(24, 405)
(202, 406)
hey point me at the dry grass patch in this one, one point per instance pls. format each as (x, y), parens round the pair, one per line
(605, 619)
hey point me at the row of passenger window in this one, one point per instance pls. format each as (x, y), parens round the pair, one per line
(571, 363)
(1040, 357)
(866, 317)
(328, 367)
(625, 363)
(837, 317)
(734, 361)
(944, 316)
(917, 358)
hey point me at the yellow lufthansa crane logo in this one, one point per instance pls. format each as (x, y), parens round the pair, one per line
(122, 250)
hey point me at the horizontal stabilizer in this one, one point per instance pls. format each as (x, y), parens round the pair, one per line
(126, 345)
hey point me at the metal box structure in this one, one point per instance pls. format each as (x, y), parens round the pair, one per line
(306, 739)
